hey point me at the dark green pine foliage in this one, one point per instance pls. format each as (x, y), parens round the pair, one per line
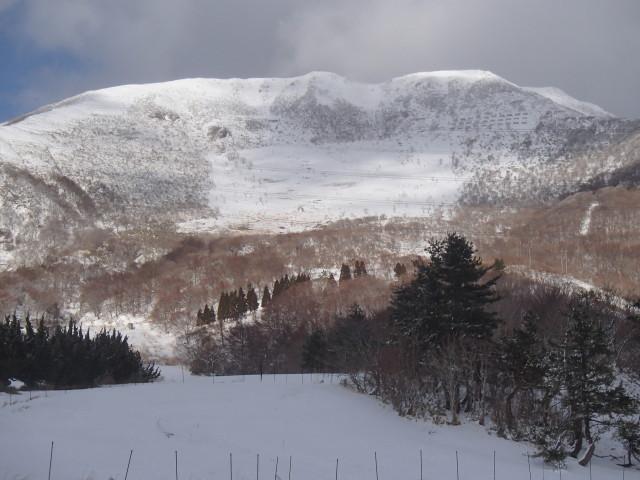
(232, 298)
(223, 306)
(447, 298)
(345, 273)
(241, 305)
(351, 340)
(252, 299)
(400, 269)
(314, 351)
(210, 317)
(522, 363)
(266, 297)
(360, 269)
(628, 431)
(587, 368)
(301, 278)
(284, 283)
(206, 316)
(235, 304)
(68, 357)
(277, 289)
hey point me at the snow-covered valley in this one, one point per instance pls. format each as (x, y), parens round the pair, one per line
(309, 419)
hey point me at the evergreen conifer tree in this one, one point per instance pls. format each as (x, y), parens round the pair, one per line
(447, 298)
(276, 289)
(587, 360)
(242, 303)
(314, 351)
(223, 307)
(522, 363)
(252, 299)
(345, 273)
(266, 297)
(360, 269)
(400, 269)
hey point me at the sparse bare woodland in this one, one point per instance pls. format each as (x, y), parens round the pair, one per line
(169, 277)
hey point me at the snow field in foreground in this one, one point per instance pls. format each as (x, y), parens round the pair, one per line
(315, 422)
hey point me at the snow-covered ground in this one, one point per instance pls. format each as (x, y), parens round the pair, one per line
(292, 185)
(153, 340)
(313, 423)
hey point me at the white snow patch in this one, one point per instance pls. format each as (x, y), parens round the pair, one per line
(586, 221)
(15, 383)
(564, 99)
(151, 339)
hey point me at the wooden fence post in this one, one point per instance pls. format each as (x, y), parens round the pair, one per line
(128, 464)
(375, 456)
(50, 460)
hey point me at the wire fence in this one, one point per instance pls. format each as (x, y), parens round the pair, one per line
(266, 470)
(285, 469)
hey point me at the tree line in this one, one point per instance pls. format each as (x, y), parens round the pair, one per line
(67, 356)
(440, 350)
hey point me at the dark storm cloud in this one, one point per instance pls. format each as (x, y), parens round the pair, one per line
(587, 47)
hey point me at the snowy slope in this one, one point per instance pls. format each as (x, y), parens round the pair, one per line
(274, 153)
(562, 98)
(314, 423)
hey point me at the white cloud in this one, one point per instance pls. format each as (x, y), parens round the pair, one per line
(586, 47)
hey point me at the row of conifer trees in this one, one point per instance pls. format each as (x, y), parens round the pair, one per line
(233, 304)
(67, 356)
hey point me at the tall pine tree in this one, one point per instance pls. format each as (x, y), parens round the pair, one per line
(345, 273)
(448, 297)
(266, 297)
(252, 299)
(587, 360)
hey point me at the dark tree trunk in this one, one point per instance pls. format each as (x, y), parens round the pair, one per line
(577, 433)
(587, 430)
(586, 458)
(508, 410)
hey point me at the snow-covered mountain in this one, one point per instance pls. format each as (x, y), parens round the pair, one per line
(265, 154)
(562, 98)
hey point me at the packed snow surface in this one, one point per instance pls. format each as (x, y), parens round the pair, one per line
(312, 420)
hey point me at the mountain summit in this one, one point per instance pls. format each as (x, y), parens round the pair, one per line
(208, 154)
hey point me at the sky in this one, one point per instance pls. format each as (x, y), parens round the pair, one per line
(52, 49)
